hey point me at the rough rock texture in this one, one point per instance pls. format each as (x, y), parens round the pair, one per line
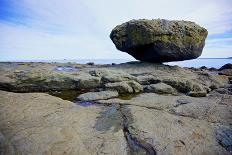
(160, 88)
(34, 77)
(160, 40)
(226, 66)
(227, 72)
(215, 109)
(197, 94)
(169, 134)
(108, 76)
(179, 124)
(140, 123)
(125, 87)
(102, 95)
(37, 123)
(128, 78)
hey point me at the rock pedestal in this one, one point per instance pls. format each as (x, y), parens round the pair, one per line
(160, 40)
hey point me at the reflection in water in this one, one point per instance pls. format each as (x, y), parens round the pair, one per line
(85, 103)
(66, 68)
(69, 95)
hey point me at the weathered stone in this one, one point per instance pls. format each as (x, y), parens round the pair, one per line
(216, 108)
(146, 123)
(159, 88)
(222, 91)
(86, 81)
(108, 75)
(147, 79)
(160, 40)
(224, 136)
(102, 95)
(38, 78)
(169, 134)
(124, 87)
(226, 66)
(227, 72)
(6, 147)
(197, 94)
(37, 123)
(183, 85)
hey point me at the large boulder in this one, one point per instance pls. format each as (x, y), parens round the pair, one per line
(160, 40)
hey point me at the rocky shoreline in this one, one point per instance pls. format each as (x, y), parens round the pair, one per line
(130, 108)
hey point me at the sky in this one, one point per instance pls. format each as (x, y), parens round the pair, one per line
(79, 29)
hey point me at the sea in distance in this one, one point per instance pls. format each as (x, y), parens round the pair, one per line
(208, 62)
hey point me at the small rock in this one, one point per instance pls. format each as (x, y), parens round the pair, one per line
(90, 63)
(102, 95)
(182, 86)
(203, 67)
(86, 81)
(197, 94)
(212, 69)
(160, 88)
(148, 79)
(125, 87)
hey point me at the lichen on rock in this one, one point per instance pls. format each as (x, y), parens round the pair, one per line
(160, 40)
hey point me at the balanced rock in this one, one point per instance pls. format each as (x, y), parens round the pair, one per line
(160, 40)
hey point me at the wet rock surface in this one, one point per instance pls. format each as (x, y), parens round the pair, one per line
(131, 108)
(160, 40)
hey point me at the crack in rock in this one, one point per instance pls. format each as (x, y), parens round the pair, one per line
(136, 146)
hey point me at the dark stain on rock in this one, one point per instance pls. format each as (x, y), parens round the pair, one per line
(224, 137)
(69, 95)
(66, 68)
(182, 101)
(109, 119)
(127, 96)
(137, 146)
(85, 103)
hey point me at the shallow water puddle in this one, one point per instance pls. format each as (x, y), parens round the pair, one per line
(85, 103)
(66, 68)
(127, 96)
(69, 95)
(109, 119)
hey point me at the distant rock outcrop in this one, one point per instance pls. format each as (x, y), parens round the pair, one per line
(226, 66)
(160, 40)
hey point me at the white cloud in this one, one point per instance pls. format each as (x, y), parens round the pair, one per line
(72, 29)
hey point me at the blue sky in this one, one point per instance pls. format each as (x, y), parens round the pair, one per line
(79, 29)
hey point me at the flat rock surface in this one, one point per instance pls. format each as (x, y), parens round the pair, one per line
(170, 134)
(37, 123)
(123, 118)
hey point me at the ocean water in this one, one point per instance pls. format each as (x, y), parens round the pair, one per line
(208, 62)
